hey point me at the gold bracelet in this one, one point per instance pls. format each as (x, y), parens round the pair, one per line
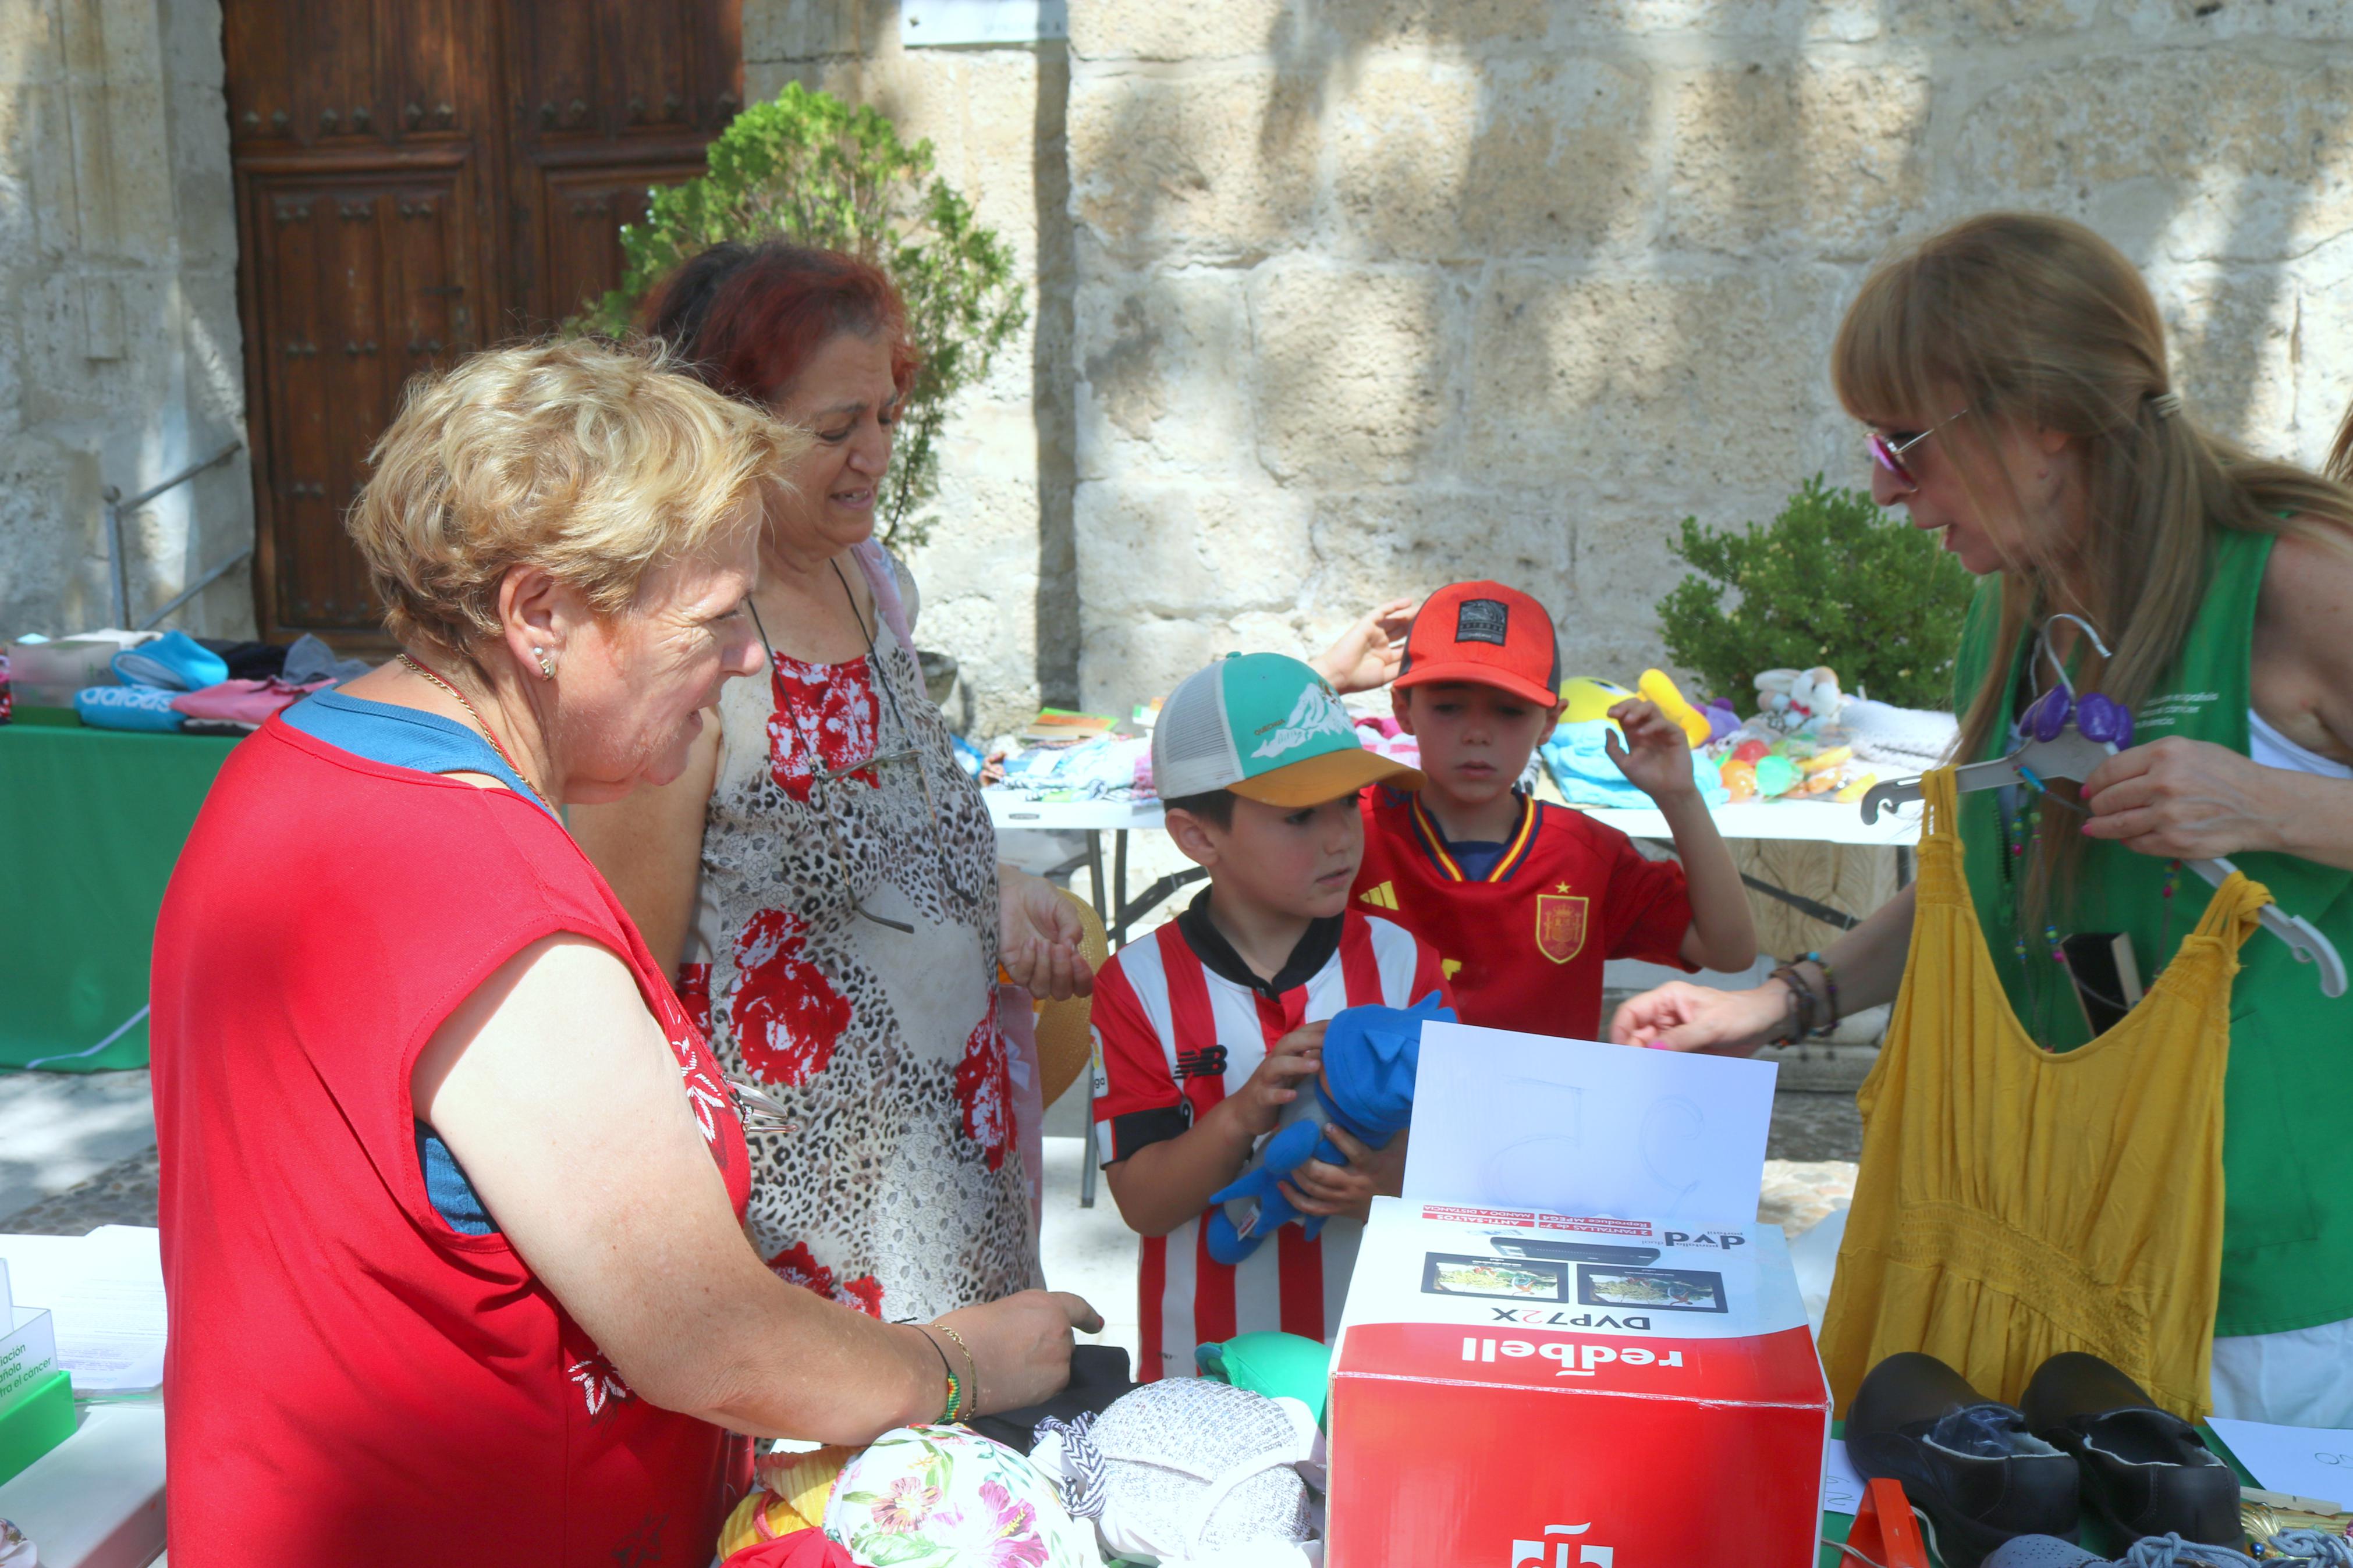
(971, 1368)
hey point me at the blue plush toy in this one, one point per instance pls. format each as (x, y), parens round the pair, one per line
(1370, 1055)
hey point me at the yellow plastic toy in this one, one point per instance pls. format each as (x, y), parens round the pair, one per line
(1588, 697)
(1660, 689)
(1823, 762)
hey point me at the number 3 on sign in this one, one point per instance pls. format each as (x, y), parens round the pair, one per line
(1531, 1554)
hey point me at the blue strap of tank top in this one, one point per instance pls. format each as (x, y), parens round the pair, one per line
(404, 737)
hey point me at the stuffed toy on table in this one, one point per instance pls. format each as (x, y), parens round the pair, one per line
(1365, 1088)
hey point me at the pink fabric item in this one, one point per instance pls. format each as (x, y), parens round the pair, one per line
(243, 701)
(801, 1549)
(885, 583)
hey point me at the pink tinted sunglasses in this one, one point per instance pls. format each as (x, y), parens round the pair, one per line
(1887, 449)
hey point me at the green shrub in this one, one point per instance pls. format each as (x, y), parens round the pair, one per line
(1833, 579)
(811, 169)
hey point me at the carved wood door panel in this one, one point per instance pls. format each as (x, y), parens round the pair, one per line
(417, 178)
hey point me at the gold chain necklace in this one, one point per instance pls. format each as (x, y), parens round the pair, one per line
(488, 734)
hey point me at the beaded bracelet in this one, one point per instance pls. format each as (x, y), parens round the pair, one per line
(1800, 1015)
(956, 1404)
(971, 1368)
(1829, 983)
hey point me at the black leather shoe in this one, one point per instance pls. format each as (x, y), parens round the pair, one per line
(1971, 1464)
(2144, 1472)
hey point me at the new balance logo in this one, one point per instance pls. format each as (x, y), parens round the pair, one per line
(1381, 898)
(1207, 1062)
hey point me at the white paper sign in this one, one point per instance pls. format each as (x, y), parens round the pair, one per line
(1841, 1482)
(1579, 1128)
(2308, 1461)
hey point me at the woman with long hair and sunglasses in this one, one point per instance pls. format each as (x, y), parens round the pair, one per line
(822, 877)
(2012, 374)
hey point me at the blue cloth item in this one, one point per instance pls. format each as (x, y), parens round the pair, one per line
(1370, 1057)
(403, 738)
(174, 662)
(1577, 757)
(127, 708)
(453, 1195)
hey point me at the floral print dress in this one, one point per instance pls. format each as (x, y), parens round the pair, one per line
(903, 1192)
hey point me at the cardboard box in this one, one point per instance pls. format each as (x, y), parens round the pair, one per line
(1514, 1389)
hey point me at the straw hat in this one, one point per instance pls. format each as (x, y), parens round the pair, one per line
(1065, 1042)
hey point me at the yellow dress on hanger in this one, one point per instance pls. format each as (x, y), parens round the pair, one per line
(2013, 1203)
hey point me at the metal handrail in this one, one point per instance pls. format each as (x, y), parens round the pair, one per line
(118, 568)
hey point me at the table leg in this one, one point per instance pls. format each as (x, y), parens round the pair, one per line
(1087, 1146)
(1119, 876)
(1095, 875)
(1905, 870)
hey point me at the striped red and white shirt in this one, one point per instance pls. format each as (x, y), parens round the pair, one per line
(1175, 1035)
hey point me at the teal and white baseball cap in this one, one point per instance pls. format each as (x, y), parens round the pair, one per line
(1268, 728)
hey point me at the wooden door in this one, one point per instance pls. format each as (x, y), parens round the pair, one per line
(415, 178)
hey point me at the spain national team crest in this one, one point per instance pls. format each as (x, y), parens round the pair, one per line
(1560, 926)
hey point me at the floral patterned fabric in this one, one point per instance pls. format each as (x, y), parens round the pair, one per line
(903, 1194)
(946, 1497)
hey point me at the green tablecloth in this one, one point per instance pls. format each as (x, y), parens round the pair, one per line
(90, 824)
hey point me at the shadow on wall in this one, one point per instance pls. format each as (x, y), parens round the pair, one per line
(1376, 293)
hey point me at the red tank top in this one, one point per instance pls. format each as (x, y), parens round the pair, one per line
(349, 1379)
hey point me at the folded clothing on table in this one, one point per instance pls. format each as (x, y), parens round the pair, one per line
(1117, 767)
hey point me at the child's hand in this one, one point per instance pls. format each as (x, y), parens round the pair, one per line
(1259, 1103)
(1320, 1188)
(1656, 757)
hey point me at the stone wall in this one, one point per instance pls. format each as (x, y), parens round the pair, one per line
(997, 577)
(120, 353)
(1373, 294)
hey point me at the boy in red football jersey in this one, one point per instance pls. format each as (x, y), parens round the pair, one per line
(1524, 902)
(1206, 1028)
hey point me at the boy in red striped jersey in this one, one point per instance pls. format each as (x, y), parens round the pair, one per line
(1206, 1028)
(1525, 901)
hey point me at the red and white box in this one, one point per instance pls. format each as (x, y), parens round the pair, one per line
(1515, 1389)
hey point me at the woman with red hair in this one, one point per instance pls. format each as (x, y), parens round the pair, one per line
(823, 877)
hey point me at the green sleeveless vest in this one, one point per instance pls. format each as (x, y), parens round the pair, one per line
(2287, 1142)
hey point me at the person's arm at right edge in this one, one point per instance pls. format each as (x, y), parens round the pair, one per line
(648, 845)
(1163, 1184)
(555, 1090)
(1679, 1017)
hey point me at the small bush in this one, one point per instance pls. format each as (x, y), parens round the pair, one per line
(810, 168)
(1833, 579)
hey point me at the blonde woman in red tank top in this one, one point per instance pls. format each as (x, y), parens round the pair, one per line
(452, 1185)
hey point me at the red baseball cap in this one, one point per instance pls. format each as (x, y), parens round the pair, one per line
(1487, 634)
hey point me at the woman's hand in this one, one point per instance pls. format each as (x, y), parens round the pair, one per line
(1657, 756)
(1038, 938)
(1680, 1017)
(1366, 656)
(2185, 800)
(1021, 1346)
(1319, 1187)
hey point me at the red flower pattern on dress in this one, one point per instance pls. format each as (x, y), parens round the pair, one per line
(787, 1013)
(796, 1265)
(985, 1089)
(694, 994)
(825, 716)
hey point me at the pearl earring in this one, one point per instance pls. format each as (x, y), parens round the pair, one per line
(546, 665)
